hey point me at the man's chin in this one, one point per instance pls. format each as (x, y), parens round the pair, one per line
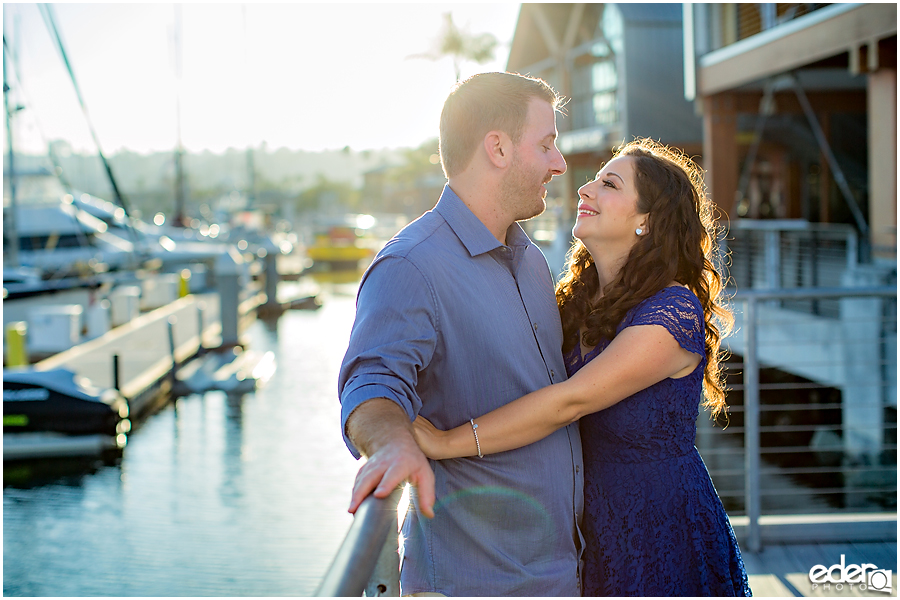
(538, 211)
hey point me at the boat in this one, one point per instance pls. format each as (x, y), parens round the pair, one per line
(55, 413)
(344, 245)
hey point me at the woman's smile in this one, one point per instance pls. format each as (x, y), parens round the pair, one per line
(586, 211)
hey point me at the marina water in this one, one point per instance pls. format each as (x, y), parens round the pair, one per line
(214, 495)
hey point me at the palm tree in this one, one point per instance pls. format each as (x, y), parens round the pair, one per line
(460, 45)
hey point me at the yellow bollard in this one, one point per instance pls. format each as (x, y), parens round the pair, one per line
(16, 352)
(184, 287)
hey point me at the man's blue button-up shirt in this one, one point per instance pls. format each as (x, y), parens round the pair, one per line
(451, 324)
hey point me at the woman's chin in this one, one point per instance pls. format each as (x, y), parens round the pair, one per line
(579, 233)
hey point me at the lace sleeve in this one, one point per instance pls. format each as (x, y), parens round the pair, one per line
(678, 310)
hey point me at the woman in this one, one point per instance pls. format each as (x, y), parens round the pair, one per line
(642, 320)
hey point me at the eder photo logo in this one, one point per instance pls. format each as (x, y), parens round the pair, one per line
(865, 577)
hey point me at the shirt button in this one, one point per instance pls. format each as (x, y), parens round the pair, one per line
(577, 468)
(535, 326)
(552, 373)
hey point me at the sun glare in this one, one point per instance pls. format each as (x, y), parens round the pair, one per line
(302, 76)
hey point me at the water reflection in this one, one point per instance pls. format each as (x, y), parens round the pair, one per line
(215, 495)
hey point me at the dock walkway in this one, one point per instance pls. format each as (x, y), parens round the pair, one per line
(144, 349)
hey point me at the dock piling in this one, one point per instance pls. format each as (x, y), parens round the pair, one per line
(201, 309)
(228, 270)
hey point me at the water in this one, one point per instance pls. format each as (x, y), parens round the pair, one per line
(214, 496)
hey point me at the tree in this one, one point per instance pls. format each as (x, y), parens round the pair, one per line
(326, 191)
(460, 45)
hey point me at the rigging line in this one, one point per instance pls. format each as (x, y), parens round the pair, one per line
(58, 170)
(9, 221)
(79, 234)
(46, 11)
(51, 155)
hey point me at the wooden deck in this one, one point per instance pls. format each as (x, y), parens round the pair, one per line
(782, 570)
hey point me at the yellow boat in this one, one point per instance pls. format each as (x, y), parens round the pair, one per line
(340, 247)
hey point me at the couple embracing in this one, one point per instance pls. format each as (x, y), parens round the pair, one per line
(548, 437)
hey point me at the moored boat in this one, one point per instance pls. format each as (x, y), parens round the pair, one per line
(340, 247)
(55, 413)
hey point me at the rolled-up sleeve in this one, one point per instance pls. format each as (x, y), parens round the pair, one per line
(392, 340)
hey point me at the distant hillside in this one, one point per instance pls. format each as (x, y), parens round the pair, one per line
(290, 170)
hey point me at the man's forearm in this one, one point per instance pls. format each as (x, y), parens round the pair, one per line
(376, 423)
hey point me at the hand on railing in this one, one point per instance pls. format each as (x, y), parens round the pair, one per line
(390, 466)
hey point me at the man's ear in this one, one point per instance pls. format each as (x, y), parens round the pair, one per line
(498, 146)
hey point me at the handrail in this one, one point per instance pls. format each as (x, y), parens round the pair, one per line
(357, 557)
(797, 293)
(752, 450)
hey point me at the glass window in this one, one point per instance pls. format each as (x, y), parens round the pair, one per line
(604, 76)
(613, 27)
(594, 84)
(605, 108)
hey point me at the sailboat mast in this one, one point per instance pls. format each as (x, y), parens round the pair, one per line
(180, 216)
(11, 233)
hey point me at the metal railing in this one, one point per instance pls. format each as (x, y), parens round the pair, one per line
(367, 560)
(791, 253)
(813, 408)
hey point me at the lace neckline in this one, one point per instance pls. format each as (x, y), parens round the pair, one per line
(581, 358)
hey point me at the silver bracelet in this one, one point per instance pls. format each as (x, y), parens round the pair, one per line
(475, 431)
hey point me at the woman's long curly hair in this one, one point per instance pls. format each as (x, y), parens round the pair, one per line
(680, 245)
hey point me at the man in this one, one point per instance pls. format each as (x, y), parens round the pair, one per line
(456, 316)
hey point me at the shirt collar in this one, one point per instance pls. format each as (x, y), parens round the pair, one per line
(470, 230)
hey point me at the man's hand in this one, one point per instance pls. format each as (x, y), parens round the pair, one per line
(391, 466)
(381, 431)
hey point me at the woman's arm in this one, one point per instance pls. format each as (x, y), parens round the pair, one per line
(637, 358)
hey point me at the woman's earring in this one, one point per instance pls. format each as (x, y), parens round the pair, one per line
(639, 231)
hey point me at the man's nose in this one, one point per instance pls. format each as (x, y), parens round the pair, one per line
(559, 164)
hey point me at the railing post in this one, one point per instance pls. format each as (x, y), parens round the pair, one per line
(170, 323)
(751, 428)
(116, 373)
(772, 261)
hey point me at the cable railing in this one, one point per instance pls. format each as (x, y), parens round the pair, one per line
(792, 253)
(812, 426)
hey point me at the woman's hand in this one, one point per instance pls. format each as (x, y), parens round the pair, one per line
(429, 438)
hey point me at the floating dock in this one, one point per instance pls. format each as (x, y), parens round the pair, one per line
(137, 358)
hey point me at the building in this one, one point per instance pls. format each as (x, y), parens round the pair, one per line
(621, 67)
(799, 105)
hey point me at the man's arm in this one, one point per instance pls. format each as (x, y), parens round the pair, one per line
(380, 429)
(392, 340)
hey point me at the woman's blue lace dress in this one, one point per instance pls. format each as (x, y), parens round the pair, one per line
(653, 523)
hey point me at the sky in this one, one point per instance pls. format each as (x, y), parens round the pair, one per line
(303, 76)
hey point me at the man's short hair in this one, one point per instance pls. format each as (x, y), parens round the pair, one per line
(483, 103)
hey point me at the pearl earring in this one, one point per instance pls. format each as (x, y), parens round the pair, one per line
(639, 231)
